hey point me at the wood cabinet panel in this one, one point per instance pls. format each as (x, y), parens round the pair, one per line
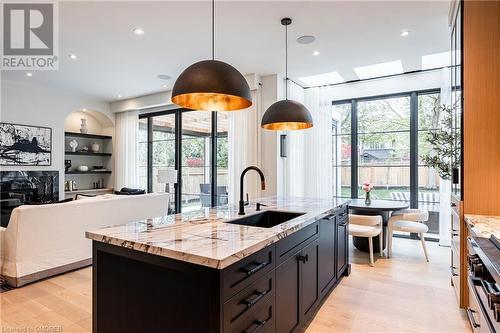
(310, 290)
(327, 252)
(288, 296)
(481, 86)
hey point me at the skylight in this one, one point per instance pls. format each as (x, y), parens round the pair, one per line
(322, 79)
(436, 60)
(377, 70)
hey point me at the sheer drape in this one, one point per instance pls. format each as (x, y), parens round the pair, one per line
(318, 144)
(309, 163)
(126, 149)
(244, 148)
(445, 185)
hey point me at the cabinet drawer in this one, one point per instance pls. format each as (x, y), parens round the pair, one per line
(474, 310)
(260, 320)
(244, 272)
(250, 298)
(288, 246)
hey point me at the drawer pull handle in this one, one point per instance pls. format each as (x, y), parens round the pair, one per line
(471, 318)
(455, 234)
(303, 258)
(259, 323)
(257, 267)
(343, 223)
(254, 301)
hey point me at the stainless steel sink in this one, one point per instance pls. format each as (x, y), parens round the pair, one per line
(266, 219)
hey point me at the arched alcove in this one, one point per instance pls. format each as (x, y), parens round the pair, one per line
(92, 161)
(97, 122)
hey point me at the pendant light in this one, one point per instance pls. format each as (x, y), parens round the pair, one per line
(212, 85)
(286, 115)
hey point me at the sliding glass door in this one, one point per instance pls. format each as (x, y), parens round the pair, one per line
(196, 163)
(180, 152)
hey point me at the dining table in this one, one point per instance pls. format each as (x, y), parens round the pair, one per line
(375, 207)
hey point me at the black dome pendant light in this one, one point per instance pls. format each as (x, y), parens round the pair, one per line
(286, 115)
(212, 85)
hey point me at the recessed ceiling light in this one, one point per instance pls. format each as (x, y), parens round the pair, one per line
(315, 53)
(29, 74)
(72, 56)
(322, 79)
(164, 86)
(84, 109)
(164, 77)
(306, 39)
(404, 33)
(377, 70)
(138, 31)
(119, 96)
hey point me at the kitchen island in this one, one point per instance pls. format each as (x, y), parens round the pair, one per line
(204, 272)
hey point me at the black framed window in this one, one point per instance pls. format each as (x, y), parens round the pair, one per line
(381, 139)
(341, 141)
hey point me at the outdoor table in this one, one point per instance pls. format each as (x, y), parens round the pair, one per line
(376, 207)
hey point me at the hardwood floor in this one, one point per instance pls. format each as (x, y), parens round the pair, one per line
(401, 294)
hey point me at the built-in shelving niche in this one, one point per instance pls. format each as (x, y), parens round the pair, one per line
(100, 130)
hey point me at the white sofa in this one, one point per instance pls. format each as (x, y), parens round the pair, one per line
(45, 240)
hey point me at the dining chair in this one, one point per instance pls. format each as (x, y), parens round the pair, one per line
(367, 226)
(408, 220)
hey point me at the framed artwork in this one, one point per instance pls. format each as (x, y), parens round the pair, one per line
(25, 145)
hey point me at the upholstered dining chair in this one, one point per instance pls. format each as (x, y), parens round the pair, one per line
(367, 226)
(408, 220)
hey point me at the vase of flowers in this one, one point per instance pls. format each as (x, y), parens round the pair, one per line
(367, 187)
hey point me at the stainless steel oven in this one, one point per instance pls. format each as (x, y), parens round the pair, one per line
(483, 279)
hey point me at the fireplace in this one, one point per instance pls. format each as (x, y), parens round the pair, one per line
(26, 187)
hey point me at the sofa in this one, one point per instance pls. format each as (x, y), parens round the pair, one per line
(46, 240)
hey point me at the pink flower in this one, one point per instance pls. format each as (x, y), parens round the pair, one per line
(367, 187)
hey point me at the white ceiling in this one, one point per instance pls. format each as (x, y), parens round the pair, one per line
(113, 61)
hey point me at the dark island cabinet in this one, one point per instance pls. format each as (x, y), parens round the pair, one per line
(327, 273)
(342, 244)
(277, 289)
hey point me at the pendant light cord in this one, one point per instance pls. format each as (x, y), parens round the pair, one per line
(213, 29)
(286, 62)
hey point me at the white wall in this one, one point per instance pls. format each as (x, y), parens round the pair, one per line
(27, 103)
(272, 87)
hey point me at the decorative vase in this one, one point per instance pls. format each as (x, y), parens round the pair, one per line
(73, 144)
(95, 147)
(368, 199)
(83, 128)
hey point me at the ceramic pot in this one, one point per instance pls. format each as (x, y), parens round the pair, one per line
(95, 147)
(83, 127)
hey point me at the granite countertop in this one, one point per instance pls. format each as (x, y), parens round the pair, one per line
(202, 237)
(484, 226)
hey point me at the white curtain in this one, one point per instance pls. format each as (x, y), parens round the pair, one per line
(126, 149)
(318, 143)
(445, 185)
(295, 160)
(244, 148)
(309, 170)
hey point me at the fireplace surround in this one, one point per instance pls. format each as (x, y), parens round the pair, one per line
(26, 187)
